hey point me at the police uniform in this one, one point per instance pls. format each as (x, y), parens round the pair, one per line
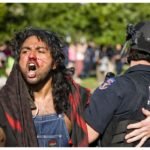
(116, 97)
(118, 101)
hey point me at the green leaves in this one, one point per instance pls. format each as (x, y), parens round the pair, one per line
(102, 23)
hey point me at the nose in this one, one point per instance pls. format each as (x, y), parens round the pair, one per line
(32, 55)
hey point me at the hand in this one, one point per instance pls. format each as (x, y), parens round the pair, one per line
(141, 130)
(2, 138)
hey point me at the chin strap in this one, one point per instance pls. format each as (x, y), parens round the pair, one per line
(125, 48)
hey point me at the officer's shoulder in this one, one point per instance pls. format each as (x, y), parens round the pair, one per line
(123, 78)
(115, 81)
(108, 82)
(123, 81)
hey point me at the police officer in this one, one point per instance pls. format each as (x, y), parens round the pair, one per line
(118, 101)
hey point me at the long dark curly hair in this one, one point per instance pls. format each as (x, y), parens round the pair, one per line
(60, 75)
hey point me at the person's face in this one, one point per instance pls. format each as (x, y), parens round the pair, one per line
(35, 60)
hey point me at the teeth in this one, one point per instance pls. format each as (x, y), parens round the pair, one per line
(32, 67)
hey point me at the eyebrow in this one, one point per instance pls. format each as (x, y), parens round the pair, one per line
(28, 47)
(45, 47)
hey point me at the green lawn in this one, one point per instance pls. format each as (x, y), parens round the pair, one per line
(90, 83)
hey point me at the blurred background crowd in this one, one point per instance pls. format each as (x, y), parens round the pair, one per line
(91, 60)
(94, 34)
(88, 60)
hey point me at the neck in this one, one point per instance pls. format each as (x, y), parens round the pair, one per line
(43, 100)
(42, 90)
(139, 62)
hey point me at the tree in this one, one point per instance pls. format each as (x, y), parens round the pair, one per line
(103, 23)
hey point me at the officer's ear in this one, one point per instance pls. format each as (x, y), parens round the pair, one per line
(132, 55)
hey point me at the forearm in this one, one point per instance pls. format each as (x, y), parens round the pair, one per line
(92, 134)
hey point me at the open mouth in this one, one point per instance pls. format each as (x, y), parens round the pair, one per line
(32, 67)
(32, 70)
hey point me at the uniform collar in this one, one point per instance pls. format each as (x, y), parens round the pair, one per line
(139, 68)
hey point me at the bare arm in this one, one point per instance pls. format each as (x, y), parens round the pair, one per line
(141, 130)
(92, 134)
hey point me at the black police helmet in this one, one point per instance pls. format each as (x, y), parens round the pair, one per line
(139, 36)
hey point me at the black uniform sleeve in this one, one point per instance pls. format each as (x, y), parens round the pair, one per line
(103, 105)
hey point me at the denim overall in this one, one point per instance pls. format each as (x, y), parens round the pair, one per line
(51, 130)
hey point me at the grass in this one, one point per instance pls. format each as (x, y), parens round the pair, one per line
(90, 83)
